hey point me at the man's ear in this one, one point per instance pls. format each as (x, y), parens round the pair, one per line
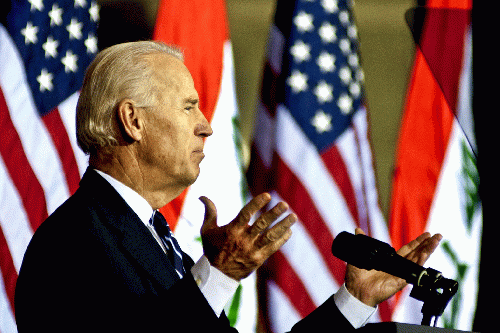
(130, 120)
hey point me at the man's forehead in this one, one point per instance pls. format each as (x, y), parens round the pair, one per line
(171, 70)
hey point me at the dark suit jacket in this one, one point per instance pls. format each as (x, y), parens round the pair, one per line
(93, 266)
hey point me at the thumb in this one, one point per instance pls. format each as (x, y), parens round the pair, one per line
(359, 231)
(210, 219)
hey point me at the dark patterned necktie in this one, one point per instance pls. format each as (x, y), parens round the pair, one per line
(174, 251)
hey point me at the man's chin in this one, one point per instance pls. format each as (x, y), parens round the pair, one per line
(191, 179)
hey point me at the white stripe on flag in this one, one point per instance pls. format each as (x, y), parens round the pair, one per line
(284, 315)
(13, 218)
(7, 321)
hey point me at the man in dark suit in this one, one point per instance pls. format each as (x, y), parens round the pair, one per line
(99, 263)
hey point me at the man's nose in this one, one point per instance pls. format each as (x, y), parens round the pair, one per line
(203, 128)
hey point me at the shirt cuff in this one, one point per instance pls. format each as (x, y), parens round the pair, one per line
(217, 287)
(355, 311)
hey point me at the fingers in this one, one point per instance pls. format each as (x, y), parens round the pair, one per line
(420, 248)
(210, 220)
(264, 236)
(279, 233)
(425, 249)
(252, 208)
(266, 219)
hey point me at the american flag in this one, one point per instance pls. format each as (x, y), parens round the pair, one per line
(311, 149)
(45, 47)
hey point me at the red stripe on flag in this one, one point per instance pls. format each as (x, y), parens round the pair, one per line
(18, 166)
(294, 193)
(57, 131)
(9, 273)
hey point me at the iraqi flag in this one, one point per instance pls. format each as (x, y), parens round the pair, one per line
(200, 29)
(435, 186)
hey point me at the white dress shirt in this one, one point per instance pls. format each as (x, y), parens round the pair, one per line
(217, 287)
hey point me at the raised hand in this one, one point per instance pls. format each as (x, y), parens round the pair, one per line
(237, 249)
(373, 287)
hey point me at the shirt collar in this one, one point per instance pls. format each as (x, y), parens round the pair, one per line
(138, 204)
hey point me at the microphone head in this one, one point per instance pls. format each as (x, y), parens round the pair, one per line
(360, 250)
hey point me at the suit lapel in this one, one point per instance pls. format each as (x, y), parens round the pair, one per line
(136, 239)
(141, 245)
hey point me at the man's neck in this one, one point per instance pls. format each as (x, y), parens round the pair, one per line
(129, 172)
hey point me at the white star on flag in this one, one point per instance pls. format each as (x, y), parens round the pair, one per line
(55, 15)
(36, 4)
(353, 60)
(352, 32)
(50, 47)
(69, 62)
(324, 92)
(300, 51)
(322, 122)
(327, 32)
(45, 80)
(94, 11)
(326, 62)
(298, 81)
(75, 29)
(345, 46)
(29, 33)
(344, 17)
(91, 43)
(304, 22)
(345, 104)
(80, 3)
(330, 6)
(345, 75)
(355, 89)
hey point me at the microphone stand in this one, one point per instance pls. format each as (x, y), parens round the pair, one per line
(435, 291)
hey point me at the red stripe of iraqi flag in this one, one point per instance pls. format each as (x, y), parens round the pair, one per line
(428, 117)
(199, 28)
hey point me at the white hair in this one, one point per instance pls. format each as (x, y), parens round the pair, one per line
(118, 72)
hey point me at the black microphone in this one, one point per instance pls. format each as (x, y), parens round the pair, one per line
(368, 253)
(429, 285)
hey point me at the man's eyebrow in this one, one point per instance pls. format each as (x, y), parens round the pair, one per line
(191, 100)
